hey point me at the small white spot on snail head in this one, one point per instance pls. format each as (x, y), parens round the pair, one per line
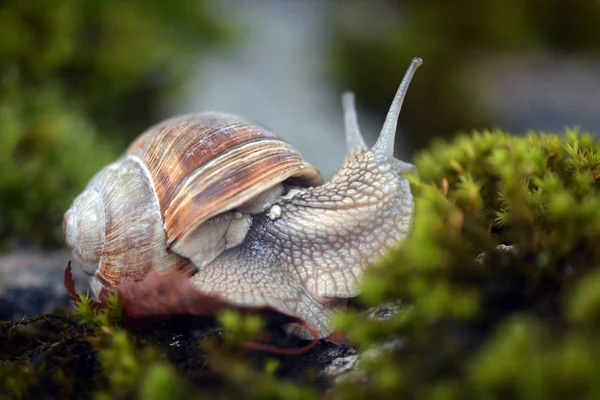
(274, 212)
(238, 215)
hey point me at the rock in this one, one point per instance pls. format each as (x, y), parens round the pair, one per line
(501, 248)
(347, 365)
(341, 365)
(31, 283)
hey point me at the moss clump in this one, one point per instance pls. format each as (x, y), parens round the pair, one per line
(487, 321)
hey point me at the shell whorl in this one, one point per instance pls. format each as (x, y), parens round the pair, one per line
(204, 164)
(134, 240)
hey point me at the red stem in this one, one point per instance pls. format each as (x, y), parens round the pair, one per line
(287, 352)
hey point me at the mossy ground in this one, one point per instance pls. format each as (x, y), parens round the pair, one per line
(97, 354)
(478, 320)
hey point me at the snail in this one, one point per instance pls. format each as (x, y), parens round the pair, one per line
(236, 210)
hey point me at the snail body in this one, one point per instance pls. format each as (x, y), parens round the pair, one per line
(230, 203)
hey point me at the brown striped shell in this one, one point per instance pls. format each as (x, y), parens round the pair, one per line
(205, 164)
(175, 177)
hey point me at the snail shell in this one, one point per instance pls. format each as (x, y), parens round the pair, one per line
(168, 202)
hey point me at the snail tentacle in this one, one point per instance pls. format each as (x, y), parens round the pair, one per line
(384, 147)
(354, 140)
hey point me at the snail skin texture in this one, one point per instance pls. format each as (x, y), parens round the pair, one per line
(228, 202)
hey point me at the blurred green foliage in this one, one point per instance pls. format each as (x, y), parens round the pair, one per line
(451, 37)
(47, 152)
(78, 81)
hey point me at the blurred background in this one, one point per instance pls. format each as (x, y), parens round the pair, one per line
(80, 80)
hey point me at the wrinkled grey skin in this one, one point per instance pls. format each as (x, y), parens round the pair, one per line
(307, 253)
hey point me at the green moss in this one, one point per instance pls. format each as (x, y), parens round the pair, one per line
(487, 322)
(161, 382)
(524, 360)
